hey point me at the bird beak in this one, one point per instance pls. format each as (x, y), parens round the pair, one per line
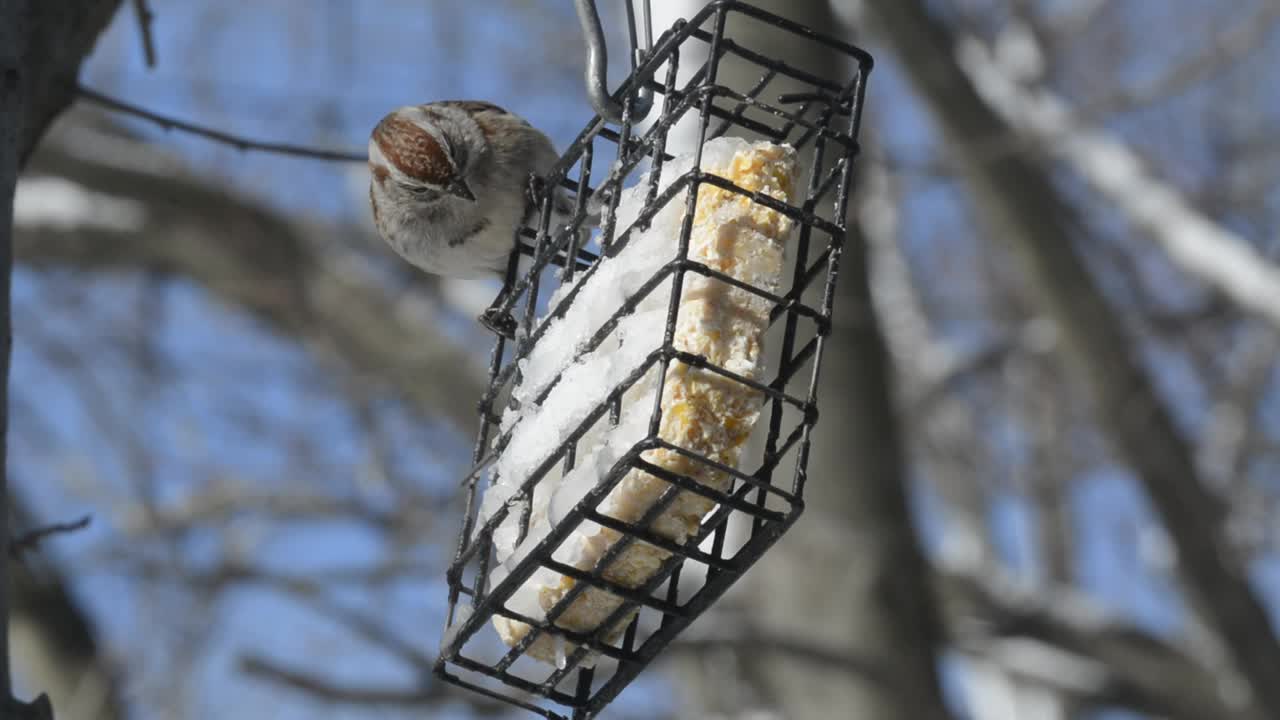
(458, 188)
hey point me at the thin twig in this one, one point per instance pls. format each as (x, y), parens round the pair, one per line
(1224, 48)
(325, 689)
(31, 540)
(145, 16)
(1214, 56)
(798, 650)
(328, 690)
(226, 138)
(368, 627)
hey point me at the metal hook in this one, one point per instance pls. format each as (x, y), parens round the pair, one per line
(598, 61)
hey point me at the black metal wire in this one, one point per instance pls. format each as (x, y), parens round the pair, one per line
(822, 117)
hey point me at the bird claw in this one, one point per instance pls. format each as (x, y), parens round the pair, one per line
(535, 189)
(598, 202)
(499, 322)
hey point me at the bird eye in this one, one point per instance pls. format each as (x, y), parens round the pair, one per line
(422, 191)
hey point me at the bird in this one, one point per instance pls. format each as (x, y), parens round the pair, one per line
(450, 183)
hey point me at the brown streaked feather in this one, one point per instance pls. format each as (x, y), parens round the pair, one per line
(483, 113)
(412, 150)
(473, 106)
(373, 203)
(380, 173)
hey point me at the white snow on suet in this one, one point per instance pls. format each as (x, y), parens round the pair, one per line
(585, 382)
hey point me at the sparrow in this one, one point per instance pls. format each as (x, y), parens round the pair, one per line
(450, 184)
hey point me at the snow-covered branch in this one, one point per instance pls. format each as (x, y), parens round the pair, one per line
(1025, 210)
(1060, 639)
(1201, 247)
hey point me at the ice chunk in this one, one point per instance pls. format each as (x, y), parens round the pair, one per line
(561, 661)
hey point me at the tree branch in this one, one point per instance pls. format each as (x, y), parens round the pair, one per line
(749, 639)
(236, 141)
(31, 539)
(1070, 646)
(56, 640)
(145, 17)
(1024, 209)
(1200, 246)
(1143, 672)
(331, 691)
(1220, 51)
(294, 277)
(1224, 48)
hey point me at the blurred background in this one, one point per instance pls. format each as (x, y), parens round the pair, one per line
(1046, 478)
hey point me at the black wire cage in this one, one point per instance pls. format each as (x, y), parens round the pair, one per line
(684, 69)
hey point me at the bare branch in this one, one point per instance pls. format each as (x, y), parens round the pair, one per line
(223, 498)
(1200, 246)
(755, 640)
(1082, 651)
(373, 631)
(1024, 208)
(238, 572)
(977, 363)
(1142, 671)
(144, 15)
(31, 539)
(55, 637)
(1080, 18)
(1221, 50)
(331, 691)
(1225, 48)
(328, 690)
(928, 369)
(1232, 429)
(226, 138)
(297, 278)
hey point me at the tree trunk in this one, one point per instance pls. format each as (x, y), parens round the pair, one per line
(851, 573)
(849, 578)
(11, 112)
(42, 43)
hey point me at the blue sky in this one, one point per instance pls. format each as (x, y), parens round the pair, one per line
(323, 73)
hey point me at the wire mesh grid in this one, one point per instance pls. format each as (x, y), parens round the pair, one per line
(821, 121)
